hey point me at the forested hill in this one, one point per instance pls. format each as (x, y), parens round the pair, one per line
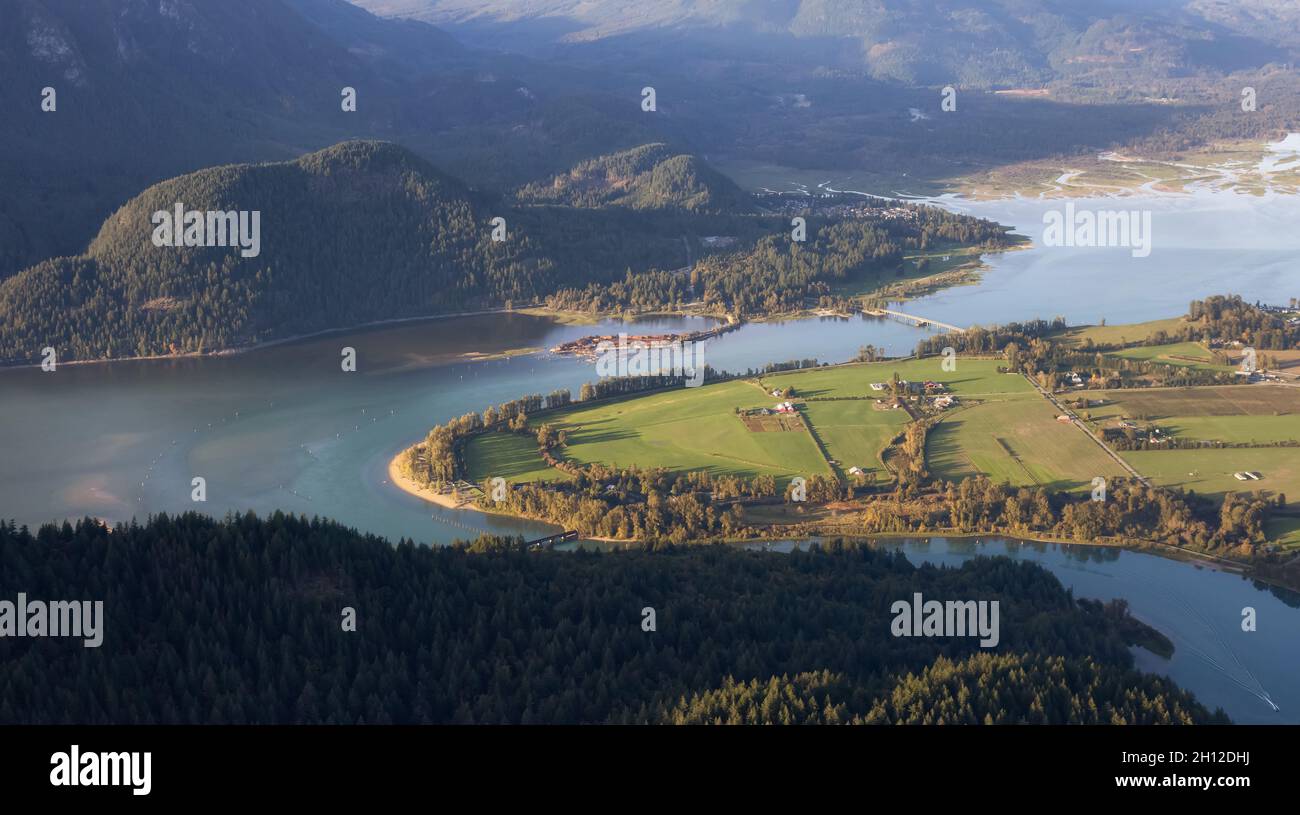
(357, 232)
(241, 621)
(366, 231)
(652, 176)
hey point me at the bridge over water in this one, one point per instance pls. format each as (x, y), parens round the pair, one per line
(912, 318)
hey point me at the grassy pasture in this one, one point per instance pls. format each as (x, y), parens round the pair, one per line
(1209, 472)
(854, 431)
(1180, 354)
(509, 456)
(1258, 414)
(972, 377)
(1117, 334)
(1018, 441)
(688, 429)
(1235, 413)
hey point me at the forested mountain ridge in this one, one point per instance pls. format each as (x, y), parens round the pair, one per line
(241, 621)
(146, 91)
(980, 43)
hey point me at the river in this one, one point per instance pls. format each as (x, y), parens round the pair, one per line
(284, 427)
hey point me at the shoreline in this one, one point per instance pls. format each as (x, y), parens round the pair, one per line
(559, 317)
(409, 487)
(258, 346)
(1156, 548)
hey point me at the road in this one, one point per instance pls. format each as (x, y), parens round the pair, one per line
(1079, 424)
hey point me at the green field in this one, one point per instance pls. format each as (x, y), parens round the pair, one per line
(697, 429)
(1003, 429)
(688, 429)
(854, 431)
(972, 378)
(1019, 441)
(1284, 530)
(1181, 354)
(1235, 414)
(1210, 471)
(509, 456)
(1117, 334)
(1259, 414)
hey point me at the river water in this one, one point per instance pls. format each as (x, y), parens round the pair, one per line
(285, 428)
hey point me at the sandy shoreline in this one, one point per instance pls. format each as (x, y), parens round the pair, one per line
(407, 485)
(447, 502)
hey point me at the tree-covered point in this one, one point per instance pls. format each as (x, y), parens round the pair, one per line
(241, 621)
(776, 274)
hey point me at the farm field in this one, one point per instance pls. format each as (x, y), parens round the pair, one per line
(1018, 441)
(688, 429)
(1181, 354)
(1240, 413)
(1117, 334)
(973, 377)
(1209, 472)
(854, 431)
(509, 456)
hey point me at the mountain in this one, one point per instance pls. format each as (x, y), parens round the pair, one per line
(365, 231)
(975, 43)
(146, 91)
(149, 90)
(357, 232)
(651, 176)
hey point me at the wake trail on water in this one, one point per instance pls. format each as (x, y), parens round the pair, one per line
(1254, 686)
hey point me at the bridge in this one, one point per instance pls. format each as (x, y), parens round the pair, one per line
(911, 318)
(550, 541)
